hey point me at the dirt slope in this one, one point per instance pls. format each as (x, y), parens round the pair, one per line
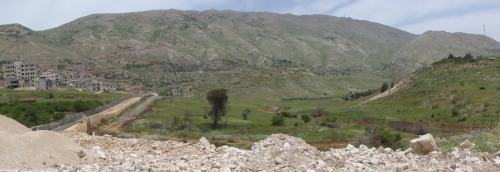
(20, 148)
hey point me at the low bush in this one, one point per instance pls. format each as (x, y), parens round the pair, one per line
(278, 120)
(378, 136)
(305, 118)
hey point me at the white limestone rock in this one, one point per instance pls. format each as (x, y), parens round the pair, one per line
(424, 144)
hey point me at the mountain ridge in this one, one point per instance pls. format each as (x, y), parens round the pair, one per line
(335, 51)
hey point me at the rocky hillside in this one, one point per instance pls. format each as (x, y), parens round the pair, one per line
(187, 52)
(433, 46)
(19, 42)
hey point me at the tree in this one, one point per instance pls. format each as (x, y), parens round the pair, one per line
(384, 87)
(245, 113)
(217, 99)
(468, 56)
(187, 118)
(451, 56)
(278, 120)
(319, 111)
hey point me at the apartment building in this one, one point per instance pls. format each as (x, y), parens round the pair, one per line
(20, 74)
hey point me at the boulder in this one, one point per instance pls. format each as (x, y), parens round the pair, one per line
(204, 142)
(424, 144)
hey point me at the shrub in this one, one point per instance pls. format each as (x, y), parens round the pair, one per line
(482, 88)
(384, 87)
(278, 120)
(318, 112)
(390, 139)
(463, 119)
(377, 136)
(103, 122)
(331, 119)
(50, 96)
(58, 116)
(323, 123)
(287, 114)
(245, 113)
(455, 112)
(305, 118)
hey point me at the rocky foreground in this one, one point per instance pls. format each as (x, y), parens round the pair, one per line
(21, 149)
(278, 152)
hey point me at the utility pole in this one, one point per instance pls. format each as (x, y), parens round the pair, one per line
(485, 53)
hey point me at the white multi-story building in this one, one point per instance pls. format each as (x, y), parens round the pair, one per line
(20, 74)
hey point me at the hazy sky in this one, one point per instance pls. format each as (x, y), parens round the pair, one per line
(414, 16)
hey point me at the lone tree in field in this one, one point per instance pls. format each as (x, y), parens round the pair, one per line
(218, 100)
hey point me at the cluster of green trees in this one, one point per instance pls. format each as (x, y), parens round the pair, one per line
(468, 58)
(32, 114)
(357, 95)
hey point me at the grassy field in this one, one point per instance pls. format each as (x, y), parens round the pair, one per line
(233, 126)
(33, 108)
(445, 100)
(7, 95)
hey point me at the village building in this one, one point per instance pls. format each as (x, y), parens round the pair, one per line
(27, 75)
(50, 80)
(96, 85)
(20, 74)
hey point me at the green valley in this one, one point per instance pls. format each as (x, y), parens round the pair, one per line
(447, 98)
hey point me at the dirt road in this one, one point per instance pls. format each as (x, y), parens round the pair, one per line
(116, 126)
(111, 112)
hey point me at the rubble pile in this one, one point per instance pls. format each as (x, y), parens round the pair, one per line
(278, 152)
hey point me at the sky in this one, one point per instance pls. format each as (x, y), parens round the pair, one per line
(414, 16)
